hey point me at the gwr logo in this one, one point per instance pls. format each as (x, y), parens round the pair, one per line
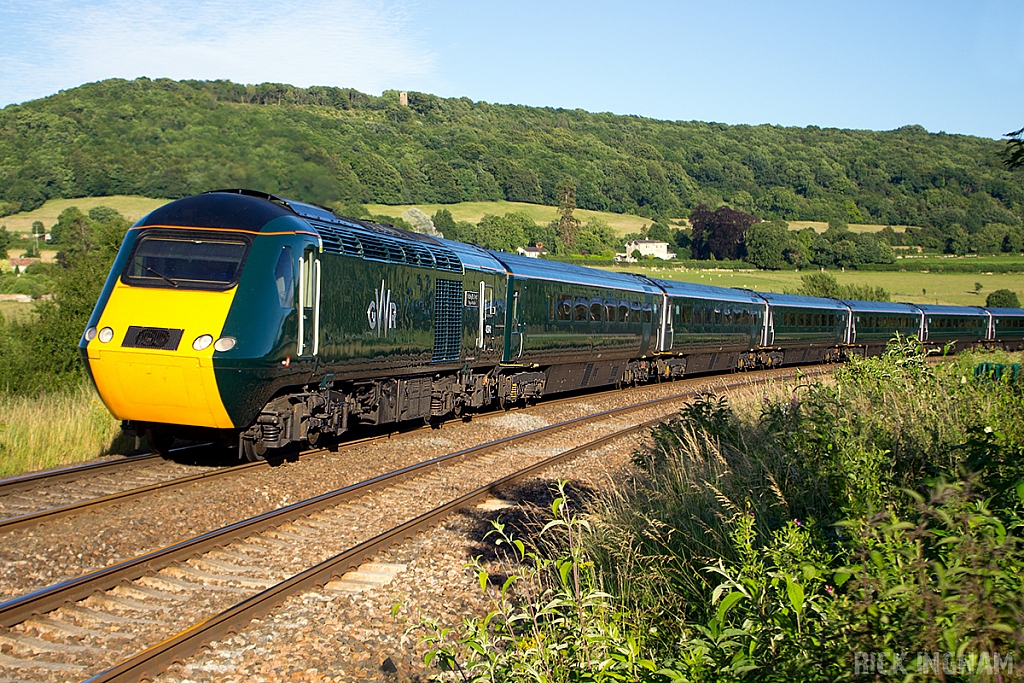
(382, 312)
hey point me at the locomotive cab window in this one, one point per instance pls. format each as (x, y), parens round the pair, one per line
(179, 259)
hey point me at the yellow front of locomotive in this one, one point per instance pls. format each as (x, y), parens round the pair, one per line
(150, 344)
(149, 348)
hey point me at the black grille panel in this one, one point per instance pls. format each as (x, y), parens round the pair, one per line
(152, 338)
(447, 320)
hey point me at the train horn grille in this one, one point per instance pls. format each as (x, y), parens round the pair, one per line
(152, 338)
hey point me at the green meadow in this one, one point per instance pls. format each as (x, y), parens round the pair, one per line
(915, 287)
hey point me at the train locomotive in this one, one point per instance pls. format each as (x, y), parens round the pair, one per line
(263, 322)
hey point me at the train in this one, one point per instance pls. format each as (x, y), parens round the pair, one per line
(266, 323)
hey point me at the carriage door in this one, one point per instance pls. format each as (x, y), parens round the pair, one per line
(667, 323)
(483, 300)
(517, 339)
(309, 303)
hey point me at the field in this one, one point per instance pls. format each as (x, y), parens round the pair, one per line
(915, 287)
(132, 208)
(621, 223)
(821, 226)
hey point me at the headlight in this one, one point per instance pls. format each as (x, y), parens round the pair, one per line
(202, 342)
(90, 334)
(106, 334)
(224, 344)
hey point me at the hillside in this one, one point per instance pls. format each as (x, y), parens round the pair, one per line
(335, 146)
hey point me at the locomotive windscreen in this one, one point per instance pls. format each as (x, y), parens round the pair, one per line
(186, 260)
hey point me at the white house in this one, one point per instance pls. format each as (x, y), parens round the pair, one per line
(532, 252)
(654, 248)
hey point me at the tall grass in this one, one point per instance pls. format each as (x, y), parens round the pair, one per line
(870, 527)
(56, 428)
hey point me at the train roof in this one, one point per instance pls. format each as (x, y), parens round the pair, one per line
(934, 309)
(897, 307)
(689, 289)
(474, 257)
(1011, 312)
(798, 301)
(555, 271)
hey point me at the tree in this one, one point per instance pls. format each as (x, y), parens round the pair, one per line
(421, 222)
(719, 233)
(444, 222)
(766, 244)
(1013, 154)
(567, 226)
(1002, 298)
(5, 241)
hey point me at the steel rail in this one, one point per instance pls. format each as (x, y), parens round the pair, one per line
(46, 599)
(80, 471)
(149, 663)
(33, 479)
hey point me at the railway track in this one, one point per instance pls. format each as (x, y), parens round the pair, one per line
(243, 569)
(49, 495)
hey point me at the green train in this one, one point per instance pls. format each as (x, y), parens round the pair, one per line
(263, 322)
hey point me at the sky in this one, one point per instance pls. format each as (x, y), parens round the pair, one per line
(956, 67)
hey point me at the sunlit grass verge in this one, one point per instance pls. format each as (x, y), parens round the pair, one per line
(866, 528)
(56, 428)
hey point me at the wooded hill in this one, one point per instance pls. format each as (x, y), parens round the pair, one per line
(338, 146)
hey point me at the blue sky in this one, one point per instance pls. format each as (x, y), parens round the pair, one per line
(948, 66)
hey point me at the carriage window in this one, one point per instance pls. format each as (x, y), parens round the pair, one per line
(609, 311)
(595, 311)
(634, 311)
(582, 310)
(647, 313)
(800, 319)
(687, 314)
(623, 312)
(817, 319)
(564, 311)
(727, 315)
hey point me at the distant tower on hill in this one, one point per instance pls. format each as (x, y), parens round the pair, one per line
(403, 98)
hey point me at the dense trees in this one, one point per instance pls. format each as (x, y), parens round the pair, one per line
(767, 243)
(48, 348)
(334, 145)
(826, 285)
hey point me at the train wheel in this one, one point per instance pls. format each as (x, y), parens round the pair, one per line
(253, 452)
(160, 441)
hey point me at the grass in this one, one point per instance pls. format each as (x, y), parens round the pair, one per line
(620, 223)
(878, 512)
(17, 312)
(56, 429)
(131, 207)
(943, 288)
